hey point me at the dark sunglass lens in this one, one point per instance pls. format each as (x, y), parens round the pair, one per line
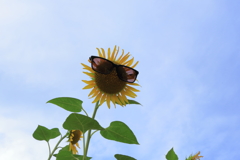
(101, 65)
(127, 74)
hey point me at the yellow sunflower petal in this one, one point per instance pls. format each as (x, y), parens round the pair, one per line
(113, 53)
(103, 51)
(117, 100)
(88, 82)
(89, 86)
(120, 56)
(129, 63)
(77, 145)
(122, 99)
(125, 98)
(96, 92)
(131, 88)
(70, 146)
(92, 91)
(74, 150)
(99, 53)
(135, 64)
(129, 93)
(89, 74)
(124, 58)
(134, 84)
(114, 58)
(97, 98)
(123, 103)
(113, 99)
(109, 54)
(108, 101)
(87, 68)
(102, 99)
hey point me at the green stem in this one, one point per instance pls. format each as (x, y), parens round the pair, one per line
(49, 149)
(89, 132)
(94, 132)
(83, 145)
(85, 112)
(56, 147)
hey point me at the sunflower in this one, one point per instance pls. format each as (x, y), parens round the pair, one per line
(195, 157)
(74, 137)
(109, 87)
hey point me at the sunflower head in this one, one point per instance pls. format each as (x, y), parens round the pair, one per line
(195, 157)
(74, 137)
(112, 77)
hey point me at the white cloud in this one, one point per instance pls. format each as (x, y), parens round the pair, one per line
(40, 42)
(16, 141)
(16, 129)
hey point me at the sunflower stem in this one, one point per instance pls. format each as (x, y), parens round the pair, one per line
(94, 132)
(85, 112)
(56, 147)
(84, 142)
(49, 148)
(89, 132)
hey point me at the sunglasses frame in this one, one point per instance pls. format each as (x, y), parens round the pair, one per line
(114, 65)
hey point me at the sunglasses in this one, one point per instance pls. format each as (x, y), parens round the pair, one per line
(104, 66)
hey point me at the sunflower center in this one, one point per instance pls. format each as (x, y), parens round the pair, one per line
(76, 136)
(109, 83)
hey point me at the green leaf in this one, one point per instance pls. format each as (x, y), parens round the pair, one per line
(65, 154)
(55, 133)
(67, 103)
(123, 157)
(119, 131)
(133, 102)
(80, 122)
(42, 133)
(171, 155)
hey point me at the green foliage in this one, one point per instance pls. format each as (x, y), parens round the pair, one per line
(119, 131)
(80, 122)
(67, 103)
(133, 102)
(65, 154)
(42, 133)
(189, 158)
(123, 157)
(171, 155)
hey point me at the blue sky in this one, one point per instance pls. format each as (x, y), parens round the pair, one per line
(189, 74)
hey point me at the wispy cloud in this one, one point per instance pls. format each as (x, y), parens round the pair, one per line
(189, 64)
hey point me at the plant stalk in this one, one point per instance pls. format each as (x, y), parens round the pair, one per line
(56, 147)
(89, 132)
